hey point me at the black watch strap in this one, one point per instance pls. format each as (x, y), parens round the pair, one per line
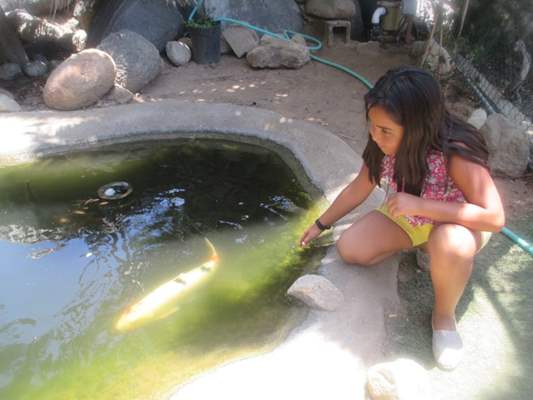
(321, 226)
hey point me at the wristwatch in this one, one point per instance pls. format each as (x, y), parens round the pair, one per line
(321, 226)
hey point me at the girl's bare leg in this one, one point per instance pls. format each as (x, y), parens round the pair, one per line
(371, 239)
(451, 250)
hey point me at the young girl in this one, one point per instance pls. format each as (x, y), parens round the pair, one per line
(440, 195)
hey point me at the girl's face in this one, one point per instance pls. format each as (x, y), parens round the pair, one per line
(384, 130)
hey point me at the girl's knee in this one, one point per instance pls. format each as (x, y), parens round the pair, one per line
(350, 254)
(452, 241)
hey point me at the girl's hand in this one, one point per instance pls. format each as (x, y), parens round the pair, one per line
(309, 235)
(403, 204)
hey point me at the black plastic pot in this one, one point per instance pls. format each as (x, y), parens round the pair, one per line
(206, 43)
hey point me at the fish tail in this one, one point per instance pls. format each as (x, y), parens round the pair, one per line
(214, 254)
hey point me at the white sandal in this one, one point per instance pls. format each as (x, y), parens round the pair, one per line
(447, 348)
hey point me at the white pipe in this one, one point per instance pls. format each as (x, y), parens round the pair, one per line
(378, 13)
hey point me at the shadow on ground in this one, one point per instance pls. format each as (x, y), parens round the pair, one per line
(494, 320)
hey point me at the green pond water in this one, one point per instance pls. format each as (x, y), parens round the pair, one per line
(70, 263)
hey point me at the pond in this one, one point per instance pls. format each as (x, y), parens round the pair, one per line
(72, 263)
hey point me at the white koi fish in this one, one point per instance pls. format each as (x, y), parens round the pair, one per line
(162, 301)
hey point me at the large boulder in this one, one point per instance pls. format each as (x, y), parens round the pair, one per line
(278, 53)
(158, 21)
(330, 9)
(273, 15)
(508, 146)
(80, 81)
(137, 60)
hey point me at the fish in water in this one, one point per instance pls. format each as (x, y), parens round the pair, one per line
(162, 301)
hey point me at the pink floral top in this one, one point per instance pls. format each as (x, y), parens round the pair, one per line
(437, 184)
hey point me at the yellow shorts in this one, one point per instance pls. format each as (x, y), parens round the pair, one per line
(420, 234)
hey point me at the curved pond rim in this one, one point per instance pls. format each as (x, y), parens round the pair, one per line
(154, 139)
(327, 160)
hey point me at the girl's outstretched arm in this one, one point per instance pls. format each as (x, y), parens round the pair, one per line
(483, 210)
(351, 196)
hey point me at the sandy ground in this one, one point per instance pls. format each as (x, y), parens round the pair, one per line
(493, 313)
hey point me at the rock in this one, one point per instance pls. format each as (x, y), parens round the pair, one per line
(7, 104)
(158, 21)
(240, 39)
(273, 15)
(478, 118)
(330, 9)
(278, 53)
(117, 95)
(508, 146)
(178, 53)
(10, 71)
(80, 81)
(84, 11)
(35, 69)
(417, 48)
(402, 379)
(137, 60)
(317, 292)
(439, 60)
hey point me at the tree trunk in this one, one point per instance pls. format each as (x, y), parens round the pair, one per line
(11, 49)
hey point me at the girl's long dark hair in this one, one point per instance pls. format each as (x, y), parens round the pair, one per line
(413, 98)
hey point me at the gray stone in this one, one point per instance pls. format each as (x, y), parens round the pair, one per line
(178, 53)
(241, 39)
(439, 60)
(7, 104)
(508, 146)
(273, 15)
(317, 292)
(330, 9)
(117, 95)
(478, 118)
(80, 81)
(84, 11)
(158, 21)
(137, 60)
(278, 53)
(402, 379)
(10, 71)
(35, 69)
